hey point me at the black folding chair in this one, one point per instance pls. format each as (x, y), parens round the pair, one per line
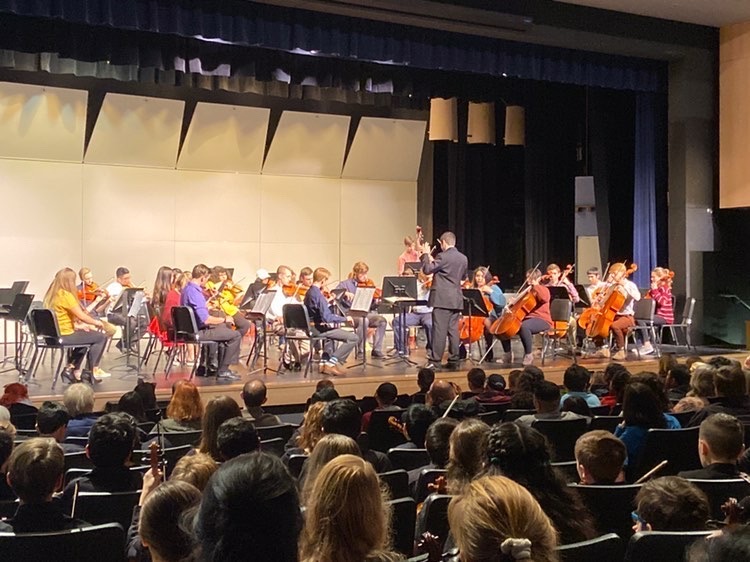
(46, 335)
(678, 446)
(611, 506)
(661, 546)
(560, 310)
(402, 524)
(186, 332)
(408, 459)
(685, 324)
(100, 542)
(383, 436)
(562, 436)
(297, 327)
(606, 547)
(397, 482)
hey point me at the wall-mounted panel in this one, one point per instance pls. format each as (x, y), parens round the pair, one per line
(225, 138)
(299, 210)
(136, 131)
(308, 144)
(386, 149)
(243, 257)
(217, 206)
(378, 211)
(41, 123)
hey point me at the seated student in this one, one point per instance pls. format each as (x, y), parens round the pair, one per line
(195, 469)
(476, 378)
(185, 410)
(731, 395)
(35, 471)
(162, 527)
(52, 421)
(385, 397)
(437, 443)
(416, 419)
(328, 448)
(254, 395)
(547, 405)
(678, 382)
(617, 377)
(5, 424)
(494, 391)
(468, 444)
(670, 503)
(110, 445)
(6, 448)
(79, 402)
(576, 380)
(236, 436)
(425, 378)
(600, 457)
(440, 398)
(721, 441)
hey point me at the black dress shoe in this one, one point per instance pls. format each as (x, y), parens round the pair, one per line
(297, 366)
(435, 367)
(68, 376)
(88, 376)
(200, 371)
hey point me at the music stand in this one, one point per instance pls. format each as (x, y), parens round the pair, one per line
(401, 292)
(558, 293)
(360, 308)
(583, 294)
(131, 302)
(415, 266)
(474, 307)
(258, 316)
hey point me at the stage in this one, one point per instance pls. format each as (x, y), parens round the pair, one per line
(291, 387)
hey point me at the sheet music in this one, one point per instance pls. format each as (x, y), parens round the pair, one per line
(362, 301)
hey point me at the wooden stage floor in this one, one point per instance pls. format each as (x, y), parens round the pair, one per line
(294, 388)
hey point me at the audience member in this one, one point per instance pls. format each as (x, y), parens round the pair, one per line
(656, 384)
(195, 469)
(218, 410)
(721, 441)
(327, 449)
(495, 519)
(147, 392)
(35, 471)
(185, 410)
(667, 362)
(733, 543)
(437, 443)
(522, 454)
(235, 437)
(476, 379)
(132, 403)
(347, 517)
(513, 377)
(16, 399)
(731, 395)
(163, 526)
(547, 405)
(6, 448)
(468, 443)
(718, 361)
(325, 394)
(576, 405)
(522, 400)
(440, 399)
(308, 434)
(678, 382)
(254, 395)
(600, 458)
(617, 376)
(52, 421)
(250, 509)
(576, 380)
(5, 424)
(385, 398)
(670, 503)
(701, 388)
(425, 378)
(110, 446)
(416, 419)
(79, 402)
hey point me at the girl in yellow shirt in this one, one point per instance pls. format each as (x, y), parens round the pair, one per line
(75, 326)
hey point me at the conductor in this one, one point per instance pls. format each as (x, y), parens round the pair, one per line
(446, 299)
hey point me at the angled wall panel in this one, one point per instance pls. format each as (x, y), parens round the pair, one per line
(225, 138)
(136, 131)
(42, 123)
(386, 149)
(308, 144)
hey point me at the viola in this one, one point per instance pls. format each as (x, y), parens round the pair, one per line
(289, 290)
(599, 321)
(89, 293)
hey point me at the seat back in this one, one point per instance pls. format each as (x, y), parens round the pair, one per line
(402, 524)
(170, 455)
(8, 508)
(435, 519)
(100, 542)
(26, 422)
(687, 311)
(107, 507)
(426, 478)
(295, 464)
(283, 431)
(611, 506)
(606, 547)
(397, 482)
(273, 446)
(719, 491)
(512, 415)
(678, 446)
(382, 435)
(296, 318)
(78, 460)
(560, 310)
(661, 546)
(20, 307)
(491, 418)
(408, 459)
(644, 310)
(181, 438)
(562, 436)
(569, 470)
(44, 325)
(608, 423)
(185, 326)
(683, 417)
(80, 441)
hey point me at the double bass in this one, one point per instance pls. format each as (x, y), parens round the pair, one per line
(600, 319)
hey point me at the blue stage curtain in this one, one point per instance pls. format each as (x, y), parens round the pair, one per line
(644, 192)
(257, 25)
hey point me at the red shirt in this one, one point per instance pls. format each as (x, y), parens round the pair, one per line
(172, 300)
(542, 304)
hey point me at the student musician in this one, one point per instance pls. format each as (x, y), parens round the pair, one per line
(482, 280)
(358, 278)
(225, 295)
(536, 321)
(275, 315)
(94, 299)
(625, 318)
(595, 282)
(555, 279)
(120, 317)
(409, 255)
(661, 292)
(325, 322)
(418, 316)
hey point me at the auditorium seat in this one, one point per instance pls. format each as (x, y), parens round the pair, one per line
(433, 517)
(284, 431)
(408, 459)
(295, 464)
(719, 491)
(403, 523)
(678, 446)
(562, 436)
(606, 547)
(426, 478)
(397, 482)
(100, 542)
(661, 546)
(382, 435)
(107, 507)
(611, 506)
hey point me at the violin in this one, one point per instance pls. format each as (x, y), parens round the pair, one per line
(371, 284)
(92, 296)
(396, 425)
(599, 321)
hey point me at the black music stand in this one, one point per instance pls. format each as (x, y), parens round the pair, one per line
(360, 308)
(415, 266)
(401, 292)
(131, 302)
(558, 293)
(258, 316)
(18, 312)
(474, 307)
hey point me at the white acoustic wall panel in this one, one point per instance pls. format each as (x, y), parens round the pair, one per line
(225, 138)
(42, 123)
(136, 131)
(216, 207)
(41, 228)
(142, 257)
(301, 254)
(308, 144)
(386, 149)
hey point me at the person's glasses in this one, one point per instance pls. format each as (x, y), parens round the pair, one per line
(637, 518)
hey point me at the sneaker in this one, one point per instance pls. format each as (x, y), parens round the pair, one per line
(647, 348)
(433, 366)
(603, 352)
(621, 355)
(227, 375)
(528, 359)
(507, 358)
(99, 373)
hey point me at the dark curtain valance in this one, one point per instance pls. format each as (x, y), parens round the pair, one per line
(250, 24)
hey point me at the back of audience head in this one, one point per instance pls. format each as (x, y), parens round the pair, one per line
(386, 394)
(671, 503)
(78, 399)
(132, 403)
(425, 378)
(641, 407)
(342, 416)
(546, 397)
(6, 448)
(600, 457)
(328, 448)
(235, 437)
(493, 510)
(254, 393)
(52, 420)
(733, 543)
(690, 361)
(347, 518)
(312, 430)
(218, 410)
(577, 405)
(496, 382)
(667, 361)
(194, 469)
(522, 400)
(536, 373)
(612, 369)
(702, 381)
(111, 440)
(577, 378)
(718, 361)
(325, 394)
(730, 382)
(5, 424)
(476, 378)
(163, 525)
(527, 381)
(14, 392)
(468, 443)
(721, 439)
(250, 507)
(437, 441)
(324, 383)
(679, 375)
(440, 391)
(656, 384)
(417, 419)
(35, 469)
(186, 404)
(147, 392)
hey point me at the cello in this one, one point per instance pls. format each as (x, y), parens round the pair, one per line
(471, 329)
(613, 300)
(509, 323)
